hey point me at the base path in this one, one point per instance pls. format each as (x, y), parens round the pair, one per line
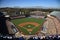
(26, 23)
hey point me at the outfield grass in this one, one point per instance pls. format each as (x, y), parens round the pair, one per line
(19, 21)
(23, 20)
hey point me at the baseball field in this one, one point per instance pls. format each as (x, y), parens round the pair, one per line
(28, 26)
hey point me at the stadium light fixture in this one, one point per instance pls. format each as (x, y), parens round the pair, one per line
(7, 15)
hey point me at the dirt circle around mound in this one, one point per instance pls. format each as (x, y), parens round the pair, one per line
(26, 23)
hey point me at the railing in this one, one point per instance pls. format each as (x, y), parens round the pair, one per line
(49, 37)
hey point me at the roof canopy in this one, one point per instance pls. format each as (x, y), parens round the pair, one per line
(56, 13)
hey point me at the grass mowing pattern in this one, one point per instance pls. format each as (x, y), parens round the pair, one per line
(23, 29)
(35, 30)
(19, 21)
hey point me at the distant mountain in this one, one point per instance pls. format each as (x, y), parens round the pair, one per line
(36, 7)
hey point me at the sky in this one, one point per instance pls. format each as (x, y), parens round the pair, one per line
(30, 3)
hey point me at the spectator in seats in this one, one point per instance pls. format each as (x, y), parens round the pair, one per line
(58, 37)
(31, 38)
(42, 38)
(55, 37)
(50, 37)
(13, 31)
(39, 38)
(47, 38)
(21, 38)
(3, 27)
(35, 38)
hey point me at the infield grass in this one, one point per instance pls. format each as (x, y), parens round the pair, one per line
(23, 20)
